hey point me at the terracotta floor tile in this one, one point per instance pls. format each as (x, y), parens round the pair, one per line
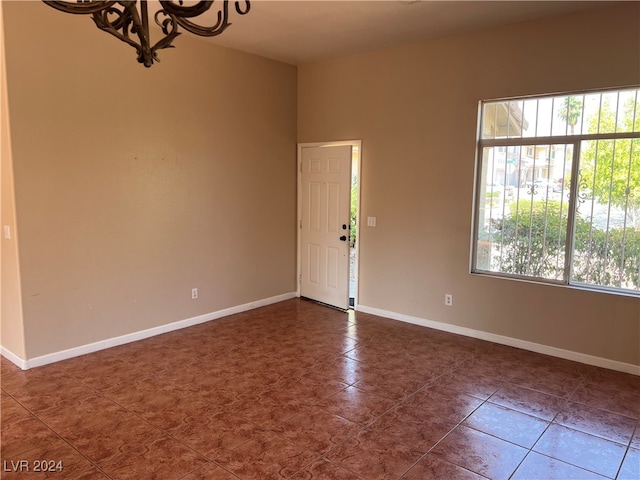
(324, 470)
(11, 410)
(23, 435)
(317, 430)
(311, 387)
(630, 469)
(210, 471)
(216, 434)
(245, 387)
(545, 378)
(91, 474)
(528, 401)
(357, 405)
(480, 385)
(609, 396)
(635, 440)
(582, 450)
(299, 390)
(420, 432)
(42, 392)
(23, 381)
(437, 402)
(266, 457)
(540, 466)
(382, 356)
(612, 426)
(270, 407)
(7, 367)
(374, 457)
(167, 409)
(484, 365)
(144, 388)
(620, 380)
(102, 373)
(342, 369)
(103, 441)
(162, 457)
(481, 453)
(509, 425)
(394, 385)
(434, 468)
(83, 412)
(60, 461)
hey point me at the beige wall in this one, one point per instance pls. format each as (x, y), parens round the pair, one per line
(11, 326)
(415, 109)
(135, 185)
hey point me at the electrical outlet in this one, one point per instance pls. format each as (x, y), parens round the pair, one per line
(448, 300)
(194, 293)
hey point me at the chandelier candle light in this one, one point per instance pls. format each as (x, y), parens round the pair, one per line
(123, 20)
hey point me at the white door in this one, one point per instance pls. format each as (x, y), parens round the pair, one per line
(325, 182)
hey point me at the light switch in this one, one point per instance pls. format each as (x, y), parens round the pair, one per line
(7, 231)
(371, 221)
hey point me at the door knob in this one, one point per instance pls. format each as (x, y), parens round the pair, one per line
(343, 238)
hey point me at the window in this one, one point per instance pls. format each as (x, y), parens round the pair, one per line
(558, 192)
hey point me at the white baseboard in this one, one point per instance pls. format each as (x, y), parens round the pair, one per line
(132, 337)
(13, 358)
(468, 332)
(509, 341)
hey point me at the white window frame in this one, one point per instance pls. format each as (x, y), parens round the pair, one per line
(530, 143)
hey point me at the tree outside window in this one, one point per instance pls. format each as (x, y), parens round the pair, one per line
(573, 214)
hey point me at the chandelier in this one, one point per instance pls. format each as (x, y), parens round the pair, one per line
(125, 21)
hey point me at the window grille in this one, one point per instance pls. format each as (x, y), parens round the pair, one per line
(558, 190)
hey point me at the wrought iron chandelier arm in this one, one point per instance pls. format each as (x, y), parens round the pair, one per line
(80, 8)
(111, 27)
(183, 14)
(140, 26)
(186, 12)
(169, 27)
(119, 28)
(120, 18)
(220, 26)
(240, 10)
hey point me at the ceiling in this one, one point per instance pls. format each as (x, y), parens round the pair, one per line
(301, 31)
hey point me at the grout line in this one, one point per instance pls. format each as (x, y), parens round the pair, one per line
(35, 415)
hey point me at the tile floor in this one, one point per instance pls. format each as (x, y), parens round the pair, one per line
(297, 390)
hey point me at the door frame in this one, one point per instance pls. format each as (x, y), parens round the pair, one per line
(352, 143)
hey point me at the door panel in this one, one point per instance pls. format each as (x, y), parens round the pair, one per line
(326, 193)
